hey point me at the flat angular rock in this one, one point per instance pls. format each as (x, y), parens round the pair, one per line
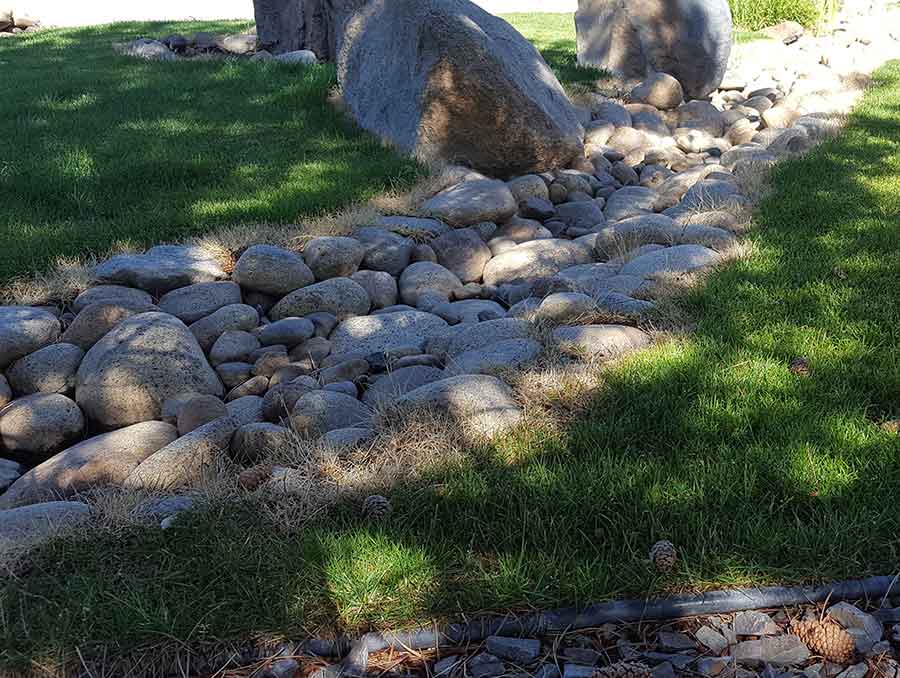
(459, 66)
(272, 270)
(753, 623)
(600, 341)
(787, 650)
(339, 296)
(24, 330)
(712, 639)
(186, 460)
(48, 370)
(161, 268)
(193, 302)
(379, 333)
(684, 38)
(481, 404)
(518, 650)
(533, 260)
(127, 376)
(472, 202)
(103, 460)
(27, 523)
(674, 260)
(851, 617)
(507, 354)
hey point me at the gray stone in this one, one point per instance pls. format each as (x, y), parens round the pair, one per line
(347, 371)
(689, 40)
(376, 333)
(528, 186)
(300, 56)
(563, 307)
(712, 194)
(629, 202)
(747, 154)
(111, 294)
(785, 650)
(852, 618)
(348, 437)
(333, 257)
(628, 234)
(255, 441)
(577, 671)
(424, 278)
(481, 404)
(10, 471)
(703, 116)
(288, 332)
(186, 460)
(48, 370)
(103, 460)
(472, 202)
(413, 226)
(126, 376)
(24, 330)
(458, 64)
(319, 412)
(609, 111)
(517, 650)
(95, 320)
(193, 302)
(535, 259)
(463, 253)
(856, 671)
(675, 641)
(161, 268)
(443, 667)
(469, 311)
(398, 382)
(600, 341)
(585, 214)
(280, 400)
(386, 251)
(233, 346)
(673, 260)
(28, 523)
(713, 666)
(40, 425)
(345, 387)
(236, 317)
(379, 285)
(753, 623)
(253, 386)
(146, 48)
(660, 90)
(506, 354)
(339, 296)
(272, 270)
(712, 639)
(197, 411)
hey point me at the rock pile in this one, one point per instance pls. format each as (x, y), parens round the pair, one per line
(14, 23)
(208, 46)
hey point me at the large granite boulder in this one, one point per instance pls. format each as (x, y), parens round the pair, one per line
(445, 80)
(127, 376)
(688, 39)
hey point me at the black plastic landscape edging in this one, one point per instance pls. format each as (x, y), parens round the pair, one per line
(356, 654)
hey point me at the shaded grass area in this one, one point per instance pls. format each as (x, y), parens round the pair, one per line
(106, 149)
(757, 475)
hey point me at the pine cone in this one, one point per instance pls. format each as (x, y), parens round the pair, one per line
(826, 639)
(251, 478)
(376, 507)
(800, 367)
(664, 555)
(623, 670)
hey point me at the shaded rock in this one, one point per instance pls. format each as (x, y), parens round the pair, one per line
(424, 278)
(413, 226)
(339, 296)
(535, 259)
(660, 90)
(469, 311)
(463, 253)
(482, 404)
(785, 650)
(600, 341)
(507, 354)
(300, 56)
(197, 411)
(161, 268)
(346, 371)
(319, 412)
(103, 460)
(37, 426)
(37, 521)
(629, 202)
(528, 186)
(111, 294)
(703, 116)
(146, 48)
(96, 319)
(272, 270)
(689, 40)
(399, 382)
(126, 376)
(754, 623)
(676, 260)
(521, 651)
(348, 437)
(186, 460)
(584, 214)
(472, 202)
(24, 330)
(252, 442)
(254, 386)
(280, 400)
(236, 317)
(563, 307)
(628, 234)
(386, 251)
(10, 471)
(459, 66)
(193, 302)
(333, 257)
(380, 333)
(232, 346)
(464, 338)
(48, 370)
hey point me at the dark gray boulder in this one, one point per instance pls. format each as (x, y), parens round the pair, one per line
(445, 80)
(688, 39)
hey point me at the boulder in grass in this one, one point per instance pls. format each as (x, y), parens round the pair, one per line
(102, 460)
(161, 268)
(600, 341)
(689, 39)
(28, 523)
(445, 80)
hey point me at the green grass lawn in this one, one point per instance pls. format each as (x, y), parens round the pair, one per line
(104, 149)
(757, 475)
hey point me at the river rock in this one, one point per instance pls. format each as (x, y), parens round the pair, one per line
(426, 278)
(472, 202)
(333, 257)
(381, 333)
(252, 442)
(319, 412)
(161, 268)
(399, 382)
(674, 260)
(24, 330)
(600, 341)
(386, 251)
(379, 285)
(459, 66)
(463, 253)
(111, 294)
(339, 296)
(125, 378)
(39, 425)
(272, 270)
(193, 302)
(236, 318)
(507, 354)
(103, 460)
(95, 320)
(533, 260)
(48, 370)
(29, 523)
